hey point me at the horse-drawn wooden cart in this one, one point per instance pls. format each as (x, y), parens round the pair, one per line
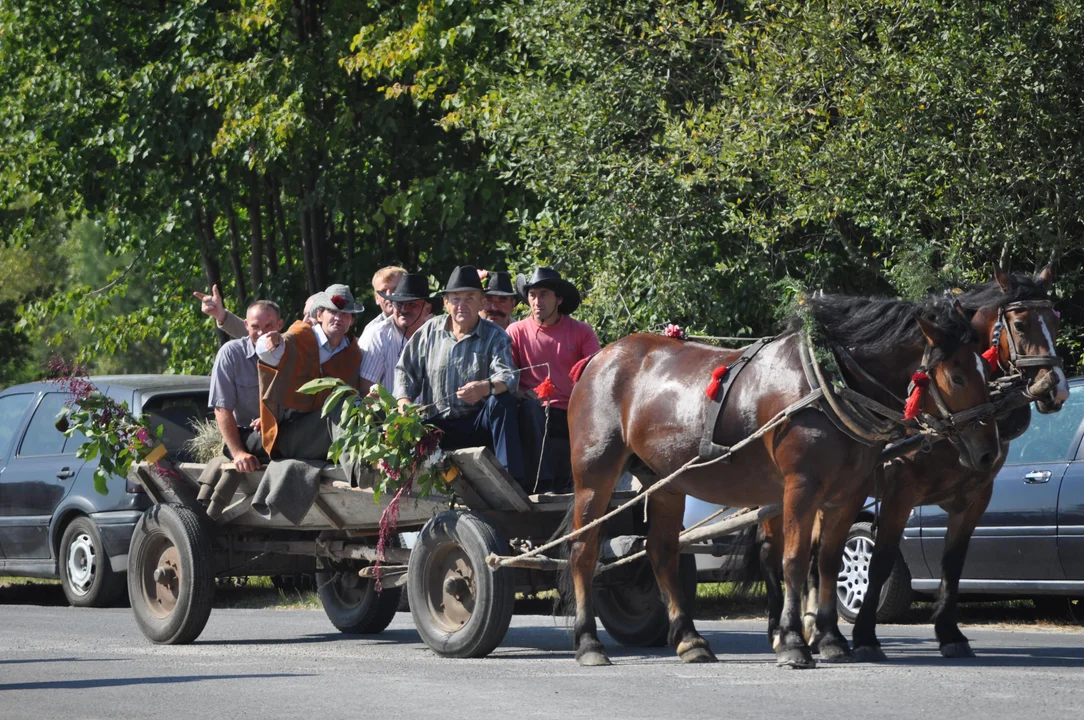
(461, 605)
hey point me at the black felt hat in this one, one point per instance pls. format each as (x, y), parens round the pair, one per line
(463, 278)
(545, 277)
(412, 286)
(498, 283)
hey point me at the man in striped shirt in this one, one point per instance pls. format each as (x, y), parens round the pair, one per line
(460, 367)
(410, 307)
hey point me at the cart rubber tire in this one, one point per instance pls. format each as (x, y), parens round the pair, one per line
(172, 609)
(85, 573)
(460, 607)
(351, 603)
(896, 594)
(633, 612)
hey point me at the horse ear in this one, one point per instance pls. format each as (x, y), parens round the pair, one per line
(1046, 277)
(929, 327)
(960, 310)
(1002, 278)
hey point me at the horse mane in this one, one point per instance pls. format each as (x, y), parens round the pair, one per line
(870, 326)
(988, 294)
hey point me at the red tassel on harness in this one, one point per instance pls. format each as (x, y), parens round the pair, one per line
(991, 357)
(578, 368)
(544, 389)
(921, 381)
(716, 380)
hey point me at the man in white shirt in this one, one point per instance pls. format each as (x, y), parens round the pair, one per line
(385, 280)
(411, 302)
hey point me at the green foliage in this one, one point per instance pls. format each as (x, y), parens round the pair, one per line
(373, 429)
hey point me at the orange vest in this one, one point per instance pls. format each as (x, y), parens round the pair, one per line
(301, 363)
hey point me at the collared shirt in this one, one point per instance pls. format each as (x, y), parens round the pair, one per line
(380, 353)
(274, 357)
(371, 327)
(235, 381)
(434, 365)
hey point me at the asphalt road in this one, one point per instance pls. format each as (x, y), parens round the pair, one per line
(60, 662)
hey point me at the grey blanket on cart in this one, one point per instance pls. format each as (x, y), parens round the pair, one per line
(289, 488)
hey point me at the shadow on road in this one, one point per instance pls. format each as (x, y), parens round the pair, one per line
(395, 636)
(123, 682)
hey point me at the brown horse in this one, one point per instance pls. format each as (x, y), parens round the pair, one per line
(1015, 314)
(641, 401)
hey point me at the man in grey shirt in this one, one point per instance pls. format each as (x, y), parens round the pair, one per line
(461, 367)
(235, 387)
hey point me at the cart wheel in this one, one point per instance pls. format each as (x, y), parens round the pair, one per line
(630, 605)
(352, 603)
(170, 578)
(460, 607)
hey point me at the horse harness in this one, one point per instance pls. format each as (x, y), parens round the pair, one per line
(1016, 360)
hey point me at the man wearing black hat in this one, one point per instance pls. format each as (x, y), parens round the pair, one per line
(550, 338)
(460, 367)
(500, 297)
(381, 348)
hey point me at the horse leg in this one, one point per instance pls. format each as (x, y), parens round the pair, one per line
(799, 511)
(771, 563)
(593, 492)
(961, 524)
(812, 589)
(835, 525)
(898, 503)
(665, 511)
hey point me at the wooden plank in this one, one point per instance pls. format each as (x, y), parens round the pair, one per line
(490, 480)
(235, 510)
(325, 510)
(467, 494)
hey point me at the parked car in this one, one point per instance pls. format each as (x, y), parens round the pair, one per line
(53, 524)
(1028, 544)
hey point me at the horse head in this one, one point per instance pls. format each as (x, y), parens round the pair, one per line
(958, 394)
(1023, 329)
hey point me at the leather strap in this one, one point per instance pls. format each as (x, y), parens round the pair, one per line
(709, 449)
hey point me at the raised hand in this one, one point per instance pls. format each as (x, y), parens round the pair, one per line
(212, 304)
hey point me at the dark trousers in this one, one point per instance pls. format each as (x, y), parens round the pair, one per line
(304, 436)
(494, 425)
(251, 442)
(546, 445)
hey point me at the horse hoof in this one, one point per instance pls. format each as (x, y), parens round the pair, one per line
(960, 649)
(796, 658)
(835, 654)
(869, 654)
(777, 642)
(815, 642)
(698, 655)
(593, 658)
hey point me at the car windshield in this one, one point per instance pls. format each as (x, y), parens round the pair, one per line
(177, 414)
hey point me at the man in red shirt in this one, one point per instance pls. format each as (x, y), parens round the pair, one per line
(550, 338)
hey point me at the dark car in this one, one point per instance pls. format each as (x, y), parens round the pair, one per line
(1029, 542)
(53, 524)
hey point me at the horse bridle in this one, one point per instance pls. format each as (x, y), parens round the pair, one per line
(1016, 360)
(947, 422)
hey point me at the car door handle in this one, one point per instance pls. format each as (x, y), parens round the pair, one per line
(65, 473)
(1035, 477)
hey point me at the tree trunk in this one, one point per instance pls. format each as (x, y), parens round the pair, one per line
(256, 258)
(306, 244)
(272, 231)
(235, 255)
(205, 231)
(280, 217)
(351, 247)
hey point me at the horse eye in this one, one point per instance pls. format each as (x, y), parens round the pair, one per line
(958, 380)
(1020, 325)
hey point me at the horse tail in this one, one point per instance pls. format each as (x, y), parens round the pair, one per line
(743, 564)
(564, 605)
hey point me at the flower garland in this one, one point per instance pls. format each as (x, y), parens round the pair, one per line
(113, 435)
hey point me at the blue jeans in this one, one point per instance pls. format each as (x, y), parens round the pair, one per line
(494, 425)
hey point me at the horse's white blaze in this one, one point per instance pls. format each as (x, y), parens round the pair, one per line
(1062, 392)
(981, 365)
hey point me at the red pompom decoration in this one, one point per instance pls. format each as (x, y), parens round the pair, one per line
(544, 389)
(338, 301)
(921, 381)
(578, 368)
(717, 376)
(991, 357)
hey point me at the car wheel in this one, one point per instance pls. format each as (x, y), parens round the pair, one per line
(85, 574)
(853, 581)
